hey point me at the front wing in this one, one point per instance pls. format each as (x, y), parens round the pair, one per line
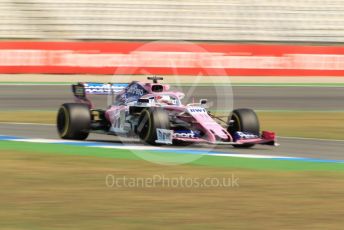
(266, 138)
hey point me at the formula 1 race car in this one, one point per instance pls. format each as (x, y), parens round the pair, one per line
(154, 114)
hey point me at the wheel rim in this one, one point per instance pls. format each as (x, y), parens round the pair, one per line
(235, 126)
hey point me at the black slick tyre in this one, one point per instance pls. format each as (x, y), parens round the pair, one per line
(244, 120)
(150, 120)
(73, 121)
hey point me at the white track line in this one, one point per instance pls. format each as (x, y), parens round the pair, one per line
(25, 123)
(129, 147)
(50, 141)
(311, 139)
(141, 147)
(250, 156)
(291, 85)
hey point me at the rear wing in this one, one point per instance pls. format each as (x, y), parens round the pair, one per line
(82, 89)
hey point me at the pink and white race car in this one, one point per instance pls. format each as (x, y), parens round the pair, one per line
(153, 113)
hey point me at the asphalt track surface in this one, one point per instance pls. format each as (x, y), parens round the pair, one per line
(262, 98)
(44, 97)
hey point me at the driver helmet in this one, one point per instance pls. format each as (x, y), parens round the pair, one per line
(165, 100)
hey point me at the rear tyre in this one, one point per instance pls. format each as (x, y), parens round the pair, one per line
(244, 120)
(151, 119)
(73, 121)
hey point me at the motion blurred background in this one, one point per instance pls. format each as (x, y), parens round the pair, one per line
(285, 59)
(202, 20)
(248, 38)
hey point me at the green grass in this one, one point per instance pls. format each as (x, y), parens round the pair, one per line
(49, 186)
(211, 161)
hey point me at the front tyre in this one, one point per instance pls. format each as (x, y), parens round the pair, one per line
(150, 120)
(244, 120)
(73, 121)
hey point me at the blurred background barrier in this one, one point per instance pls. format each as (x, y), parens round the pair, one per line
(166, 58)
(207, 20)
(223, 29)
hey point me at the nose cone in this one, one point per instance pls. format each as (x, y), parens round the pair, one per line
(222, 134)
